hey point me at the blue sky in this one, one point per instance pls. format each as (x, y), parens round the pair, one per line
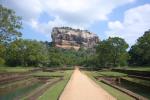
(123, 18)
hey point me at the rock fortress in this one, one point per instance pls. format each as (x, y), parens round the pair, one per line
(67, 38)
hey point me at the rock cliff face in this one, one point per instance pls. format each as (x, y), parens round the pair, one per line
(66, 37)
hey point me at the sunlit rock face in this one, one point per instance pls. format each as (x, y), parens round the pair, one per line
(66, 37)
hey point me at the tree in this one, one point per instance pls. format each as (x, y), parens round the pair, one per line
(140, 52)
(9, 25)
(2, 53)
(112, 52)
(9, 29)
(103, 52)
(54, 57)
(27, 53)
(118, 51)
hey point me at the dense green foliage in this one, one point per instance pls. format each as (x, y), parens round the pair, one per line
(26, 53)
(34, 53)
(2, 51)
(112, 52)
(71, 57)
(9, 29)
(140, 52)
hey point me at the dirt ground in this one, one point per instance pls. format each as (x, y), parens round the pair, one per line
(80, 87)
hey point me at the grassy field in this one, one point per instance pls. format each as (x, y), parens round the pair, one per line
(114, 92)
(54, 92)
(109, 73)
(15, 69)
(138, 81)
(51, 74)
(142, 68)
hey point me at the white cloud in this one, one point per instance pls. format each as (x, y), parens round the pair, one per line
(116, 25)
(28, 9)
(82, 11)
(74, 13)
(136, 22)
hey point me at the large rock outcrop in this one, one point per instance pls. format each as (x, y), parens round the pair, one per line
(66, 37)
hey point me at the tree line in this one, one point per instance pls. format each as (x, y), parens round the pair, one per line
(113, 52)
(16, 51)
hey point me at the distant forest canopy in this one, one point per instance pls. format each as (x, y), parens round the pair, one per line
(15, 51)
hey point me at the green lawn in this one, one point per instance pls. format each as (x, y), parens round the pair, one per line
(15, 69)
(108, 74)
(142, 68)
(52, 74)
(139, 81)
(54, 92)
(114, 92)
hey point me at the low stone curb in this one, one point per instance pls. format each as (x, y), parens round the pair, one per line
(130, 93)
(41, 90)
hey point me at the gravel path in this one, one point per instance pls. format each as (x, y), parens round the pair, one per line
(80, 87)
